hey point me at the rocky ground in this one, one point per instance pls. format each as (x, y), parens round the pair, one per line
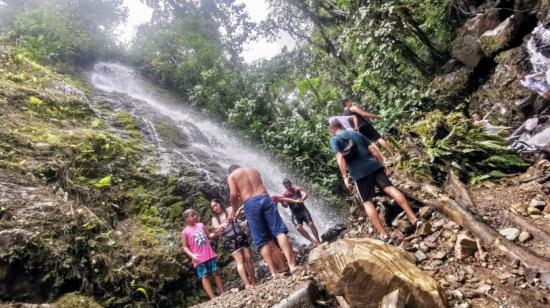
(449, 253)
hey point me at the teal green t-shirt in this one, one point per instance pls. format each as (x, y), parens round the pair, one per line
(363, 163)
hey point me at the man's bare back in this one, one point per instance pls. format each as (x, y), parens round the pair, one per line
(245, 183)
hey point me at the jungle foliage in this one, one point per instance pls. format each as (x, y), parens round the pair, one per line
(64, 32)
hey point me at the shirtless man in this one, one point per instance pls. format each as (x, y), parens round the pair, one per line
(261, 214)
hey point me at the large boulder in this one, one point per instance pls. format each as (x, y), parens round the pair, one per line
(363, 271)
(507, 33)
(465, 47)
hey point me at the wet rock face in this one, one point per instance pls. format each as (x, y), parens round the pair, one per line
(347, 266)
(505, 34)
(465, 48)
(502, 94)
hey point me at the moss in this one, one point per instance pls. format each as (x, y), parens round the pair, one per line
(76, 300)
(171, 134)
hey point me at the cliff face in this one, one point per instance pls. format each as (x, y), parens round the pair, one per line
(82, 208)
(491, 50)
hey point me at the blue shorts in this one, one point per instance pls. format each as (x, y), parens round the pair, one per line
(208, 267)
(263, 219)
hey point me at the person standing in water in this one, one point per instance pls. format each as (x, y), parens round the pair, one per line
(261, 214)
(293, 197)
(235, 241)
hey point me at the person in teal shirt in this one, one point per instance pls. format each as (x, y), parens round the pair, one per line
(366, 167)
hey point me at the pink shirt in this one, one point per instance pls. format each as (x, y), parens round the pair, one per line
(198, 243)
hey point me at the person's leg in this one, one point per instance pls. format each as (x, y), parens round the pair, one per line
(253, 210)
(278, 257)
(249, 266)
(385, 145)
(278, 229)
(303, 231)
(207, 287)
(374, 218)
(265, 251)
(239, 260)
(402, 201)
(219, 283)
(314, 231)
(286, 247)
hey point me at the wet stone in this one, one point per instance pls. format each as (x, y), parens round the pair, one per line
(524, 236)
(510, 233)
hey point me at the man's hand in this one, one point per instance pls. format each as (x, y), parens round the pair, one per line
(348, 184)
(230, 216)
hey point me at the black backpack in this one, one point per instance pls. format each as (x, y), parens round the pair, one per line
(350, 150)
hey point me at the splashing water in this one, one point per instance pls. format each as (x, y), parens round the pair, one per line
(210, 147)
(538, 47)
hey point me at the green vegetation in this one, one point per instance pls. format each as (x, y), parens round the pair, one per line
(440, 142)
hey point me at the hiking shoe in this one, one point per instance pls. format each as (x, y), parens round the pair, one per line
(417, 223)
(386, 239)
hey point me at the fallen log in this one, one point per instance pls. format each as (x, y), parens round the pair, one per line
(303, 297)
(490, 238)
(464, 199)
(536, 232)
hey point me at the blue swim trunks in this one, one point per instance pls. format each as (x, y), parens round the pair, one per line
(206, 268)
(263, 219)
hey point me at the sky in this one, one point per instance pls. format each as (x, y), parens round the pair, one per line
(139, 13)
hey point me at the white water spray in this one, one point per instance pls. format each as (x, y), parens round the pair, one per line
(209, 142)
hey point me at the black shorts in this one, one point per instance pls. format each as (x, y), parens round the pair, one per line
(365, 186)
(236, 243)
(302, 216)
(369, 131)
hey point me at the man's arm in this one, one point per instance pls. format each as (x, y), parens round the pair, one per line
(233, 197)
(343, 169)
(355, 120)
(288, 200)
(365, 114)
(303, 194)
(373, 149)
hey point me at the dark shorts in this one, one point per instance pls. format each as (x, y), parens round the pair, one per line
(263, 219)
(365, 186)
(236, 243)
(206, 268)
(369, 131)
(299, 217)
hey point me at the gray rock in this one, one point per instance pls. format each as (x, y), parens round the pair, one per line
(42, 146)
(524, 236)
(440, 255)
(539, 204)
(420, 256)
(464, 246)
(510, 233)
(465, 47)
(501, 37)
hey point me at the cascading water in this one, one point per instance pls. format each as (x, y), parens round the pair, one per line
(207, 147)
(538, 47)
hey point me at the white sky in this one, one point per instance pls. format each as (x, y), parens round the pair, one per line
(139, 13)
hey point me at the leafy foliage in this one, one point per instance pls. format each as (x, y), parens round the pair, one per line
(440, 142)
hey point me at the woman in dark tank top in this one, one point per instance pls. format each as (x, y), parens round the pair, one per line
(235, 241)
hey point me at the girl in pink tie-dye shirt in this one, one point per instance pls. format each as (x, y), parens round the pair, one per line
(196, 245)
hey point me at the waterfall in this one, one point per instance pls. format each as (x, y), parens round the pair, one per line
(210, 147)
(538, 47)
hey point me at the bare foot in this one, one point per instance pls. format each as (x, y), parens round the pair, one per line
(247, 286)
(295, 268)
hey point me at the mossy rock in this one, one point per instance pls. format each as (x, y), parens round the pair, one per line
(76, 300)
